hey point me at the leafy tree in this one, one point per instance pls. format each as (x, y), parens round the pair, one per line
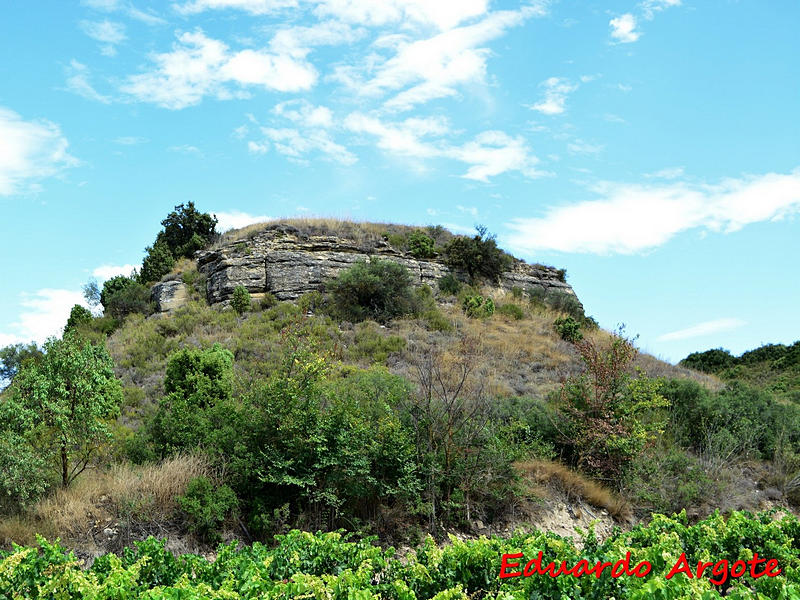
(421, 245)
(379, 290)
(158, 262)
(68, 397)
(114, 286)
(78, 316)
(449, 284)
(91, 292)
(187, 230)
(196, 380)
(135, 298)
(612, 416)
(13, 356)
(710, 361)
(477, 256)
(241, 299)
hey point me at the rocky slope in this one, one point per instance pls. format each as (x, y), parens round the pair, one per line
(287, 262)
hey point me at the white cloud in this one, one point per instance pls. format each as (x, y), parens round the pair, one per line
(186, 149)
(126, 8)
(106, 32)
(199, 66)
(236, 219)
(443, 15)
(668, 173)
(702, 329)
(489, 153)
(254, 7)
(78, 83)
(45, 314)
(468, 209)
(623, 29)
(630, 218)
(433, 67)
(29, 151)
(579, 146)
(104, 272)
(556, 90)
(651, 7)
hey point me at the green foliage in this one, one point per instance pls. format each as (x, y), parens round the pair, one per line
(196, 381)
(512, 311)
(133, 298)
(332, 566)
(157, 263)
(372, 344)
(240, 300)
(420, 245)
(268, 301)
(517, 293)
(477, 307)
(379, 290)
(568, 329)
(710, 361)
(478, 256)
(449, 284)
(207, 506)
(114, 286)
(12, 357)
(612, 417)
(64, 402)
(186, 230)
(78, 316)
(566, 303)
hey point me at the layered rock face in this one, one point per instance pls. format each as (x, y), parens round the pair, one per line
(283, 261)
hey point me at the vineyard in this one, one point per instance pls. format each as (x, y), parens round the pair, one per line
(332, 566)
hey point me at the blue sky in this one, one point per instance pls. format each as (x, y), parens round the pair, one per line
(652, 149)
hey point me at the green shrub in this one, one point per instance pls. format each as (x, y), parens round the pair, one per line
(517, 293)
(187, 230)
(158, 262)
(379, 290)
(568, 329)
(512, 311)
(537, 296)
(435, 320)
(133, 298)
(566, 303)
(78, 316)
(268, 301)
(396, 240)
(477, 256)
(240, 300)
(449, 284)
(478, 307)
(311, 302)
(207, 506)
(372, 344)
(420, 245)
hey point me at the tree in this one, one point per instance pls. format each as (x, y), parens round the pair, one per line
(69, 396)
(379, 290)
(91, 292)
(112, 287)
(612, 416)
(187, 230)
(158, 262)
(78, 316)
(477, 256)
(241, 299)
(14, 356)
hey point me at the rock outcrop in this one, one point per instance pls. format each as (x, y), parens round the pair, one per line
(287, 263)
(169, 295)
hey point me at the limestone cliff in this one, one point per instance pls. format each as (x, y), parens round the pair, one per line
(287, 262)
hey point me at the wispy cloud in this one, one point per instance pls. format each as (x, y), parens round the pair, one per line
(702, 329)
(556, 90)
(44, 314)
(126, 8)
(106, 32)
(78, 83)
(631, 218)
(104, 272)
(30, 151)
(236, 219)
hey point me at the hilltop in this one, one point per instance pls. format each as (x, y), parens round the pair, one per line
(384, 379)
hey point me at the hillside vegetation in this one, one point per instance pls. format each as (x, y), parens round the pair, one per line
(369, 406)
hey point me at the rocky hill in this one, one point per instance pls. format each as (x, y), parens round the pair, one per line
(287, 261)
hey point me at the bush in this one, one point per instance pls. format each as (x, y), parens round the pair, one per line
(420, 245)
(477, 256)
(112, 287)
(207, 506)
(268, 301)
(710, 361)
(133, 298)
(241, 299)
(379, 290)
(478, 307)
(449, 284)
(512, 311)
(566, 303)
(187, 230)
(78, 316)
(158, 262)
(569, 329)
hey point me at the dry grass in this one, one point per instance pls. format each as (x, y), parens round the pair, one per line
(143, 493)
(362, 232)
(574, 485)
